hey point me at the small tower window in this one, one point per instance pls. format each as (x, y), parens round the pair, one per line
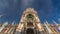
(30, 16)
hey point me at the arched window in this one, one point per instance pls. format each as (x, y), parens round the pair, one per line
(30, 16)
(30, 31)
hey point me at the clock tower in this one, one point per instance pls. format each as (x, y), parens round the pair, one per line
(30, 23)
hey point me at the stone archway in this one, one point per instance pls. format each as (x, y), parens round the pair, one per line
(29, 31)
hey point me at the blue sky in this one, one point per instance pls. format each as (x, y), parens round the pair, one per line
(12, 9)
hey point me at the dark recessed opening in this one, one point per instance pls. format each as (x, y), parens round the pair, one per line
(29, 24)
(29, 31)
